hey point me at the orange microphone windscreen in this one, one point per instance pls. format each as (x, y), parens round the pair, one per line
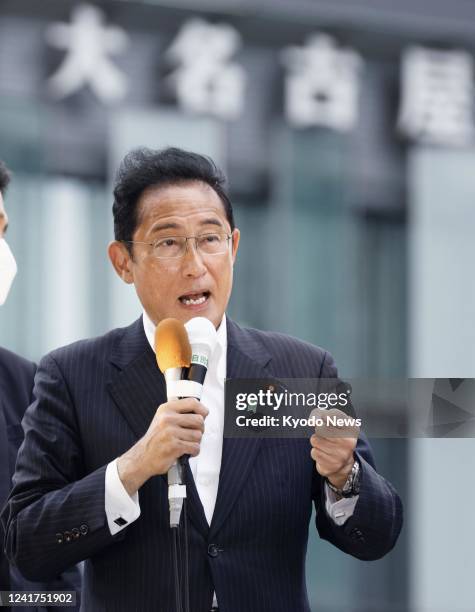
(172, 346)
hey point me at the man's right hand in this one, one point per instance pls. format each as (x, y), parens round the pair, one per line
(176, 430)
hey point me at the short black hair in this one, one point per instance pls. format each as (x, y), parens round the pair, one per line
(4, 177)
(143, 168)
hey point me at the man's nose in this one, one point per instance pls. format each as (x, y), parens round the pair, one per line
(193, 264)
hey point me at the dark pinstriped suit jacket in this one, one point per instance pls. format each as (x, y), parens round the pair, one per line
(16, 386)
(95, 398)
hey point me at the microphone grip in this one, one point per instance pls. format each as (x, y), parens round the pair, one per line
(199, 374)
(183, 460)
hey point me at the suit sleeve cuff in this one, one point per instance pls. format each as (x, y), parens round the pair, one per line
(121, 508)
(339, 510)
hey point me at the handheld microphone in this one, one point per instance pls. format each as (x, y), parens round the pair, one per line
(173, 353)
(202, 337)
(183, 353)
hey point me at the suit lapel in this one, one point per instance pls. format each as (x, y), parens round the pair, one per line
(137, 390)
(246, 358)
(139, 387)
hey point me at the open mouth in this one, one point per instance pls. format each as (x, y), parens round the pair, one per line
(194, 299)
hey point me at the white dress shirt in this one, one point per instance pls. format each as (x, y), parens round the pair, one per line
(122, 509)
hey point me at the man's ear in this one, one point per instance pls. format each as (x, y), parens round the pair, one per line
(121, 260)
(235, 238)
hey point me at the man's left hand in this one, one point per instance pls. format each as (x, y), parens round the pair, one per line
(333, 456)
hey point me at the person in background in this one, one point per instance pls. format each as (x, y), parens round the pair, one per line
(16, 389)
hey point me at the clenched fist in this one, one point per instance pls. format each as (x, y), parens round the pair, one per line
(333, 453)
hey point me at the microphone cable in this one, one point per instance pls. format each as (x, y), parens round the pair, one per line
(187, 567)
(175, 570)
(181, 562)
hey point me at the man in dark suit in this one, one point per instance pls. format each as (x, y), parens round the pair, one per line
(91, 477)
(16, 386)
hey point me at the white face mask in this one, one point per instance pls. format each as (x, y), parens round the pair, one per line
(8, 270)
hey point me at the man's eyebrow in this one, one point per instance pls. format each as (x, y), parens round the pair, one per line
(211, 221)
(171, 225)
(164, 226)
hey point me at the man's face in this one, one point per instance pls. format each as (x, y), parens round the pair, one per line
(3, 218)
(163, 285)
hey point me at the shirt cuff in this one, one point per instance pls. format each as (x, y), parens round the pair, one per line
(121, 508)
(339, 510)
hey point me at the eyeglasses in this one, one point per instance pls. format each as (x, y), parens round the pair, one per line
(173, 247)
